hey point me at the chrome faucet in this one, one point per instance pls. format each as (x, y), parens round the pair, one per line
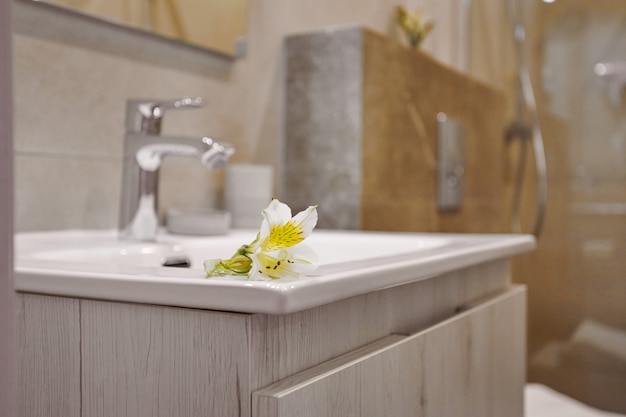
(144, 149)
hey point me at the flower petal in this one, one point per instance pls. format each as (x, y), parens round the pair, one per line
(277, 213)
(283, 263)
(279, 230)
(290, 233)
(307, 220)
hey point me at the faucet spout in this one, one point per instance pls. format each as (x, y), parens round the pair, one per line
(150, 150)
(143, 157)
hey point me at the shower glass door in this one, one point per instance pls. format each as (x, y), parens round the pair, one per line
(576, 52)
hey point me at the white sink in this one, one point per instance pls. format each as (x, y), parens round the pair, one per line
(95, 264)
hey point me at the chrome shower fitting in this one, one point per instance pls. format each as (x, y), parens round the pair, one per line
(526, 128)
(613, 76)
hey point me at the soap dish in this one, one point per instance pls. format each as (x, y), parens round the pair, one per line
(198, 221)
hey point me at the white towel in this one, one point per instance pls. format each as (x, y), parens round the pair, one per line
(541, 401)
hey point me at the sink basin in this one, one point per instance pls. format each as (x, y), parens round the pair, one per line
(331, 247)
(95, 264)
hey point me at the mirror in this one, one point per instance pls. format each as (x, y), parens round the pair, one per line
(217, 25)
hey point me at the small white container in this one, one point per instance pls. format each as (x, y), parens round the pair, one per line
(248, 189)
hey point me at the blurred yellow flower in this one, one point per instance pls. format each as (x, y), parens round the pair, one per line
(415, 25)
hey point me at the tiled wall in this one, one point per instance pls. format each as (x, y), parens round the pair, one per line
(72, 79)
(69, 117)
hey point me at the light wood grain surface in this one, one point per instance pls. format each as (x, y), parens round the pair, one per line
(147, 360)
(282, 345)
(49, 356)
(469, 365)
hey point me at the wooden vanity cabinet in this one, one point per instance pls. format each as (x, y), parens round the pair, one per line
(463, 366)
(450, 345)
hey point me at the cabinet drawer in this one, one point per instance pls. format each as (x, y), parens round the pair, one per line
(472, 364)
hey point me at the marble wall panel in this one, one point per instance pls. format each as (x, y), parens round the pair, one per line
(393, 117)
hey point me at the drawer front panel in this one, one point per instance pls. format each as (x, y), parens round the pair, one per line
(469, 365)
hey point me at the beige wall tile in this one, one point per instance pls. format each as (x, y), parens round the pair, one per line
(65, 193)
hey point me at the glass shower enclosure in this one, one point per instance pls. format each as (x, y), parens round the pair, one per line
(576, 54)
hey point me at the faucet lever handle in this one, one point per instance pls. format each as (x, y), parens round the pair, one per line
(145, 116)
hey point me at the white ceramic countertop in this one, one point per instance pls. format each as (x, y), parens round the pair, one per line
(95, 264)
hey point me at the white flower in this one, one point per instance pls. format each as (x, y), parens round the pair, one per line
(277, 251)
(279, 230)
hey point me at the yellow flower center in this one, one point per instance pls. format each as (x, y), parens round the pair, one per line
(283, 236)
